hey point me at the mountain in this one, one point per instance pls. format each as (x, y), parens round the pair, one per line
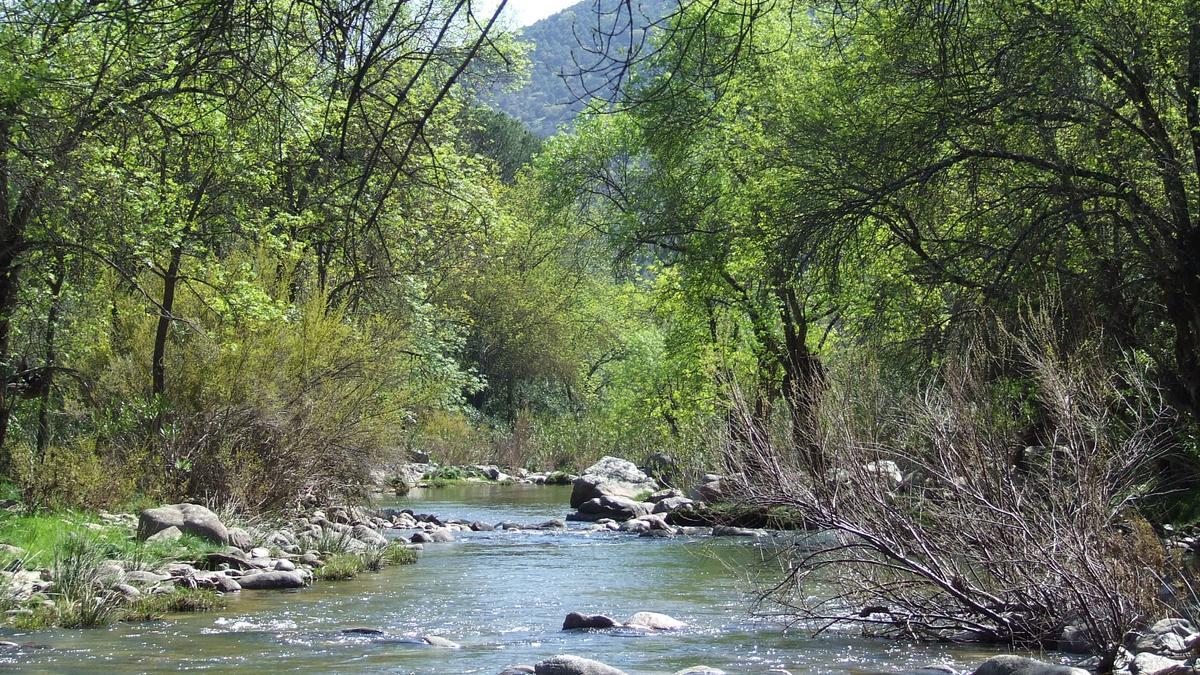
(547, 101)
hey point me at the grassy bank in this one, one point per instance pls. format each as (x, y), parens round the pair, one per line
(75, 569)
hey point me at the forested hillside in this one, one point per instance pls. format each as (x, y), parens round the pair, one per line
(564, 48)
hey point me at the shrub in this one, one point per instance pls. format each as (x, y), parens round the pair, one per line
(989, 537)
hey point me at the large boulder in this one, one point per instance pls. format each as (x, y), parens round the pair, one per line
(617, 508)
(611, 476)
(574, 665)
(189, 518)
(1008, 664)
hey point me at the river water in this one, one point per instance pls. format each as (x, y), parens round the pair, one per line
(502, 596)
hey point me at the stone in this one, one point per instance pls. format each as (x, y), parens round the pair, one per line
(364, 632)
(654, 621)
(574, 665)
(612, 477)
(284, 565)
(478, 526)
(1148, 663)
(672, 503)
(615, 507)
(657, 534)
(169, 534)
(729, 531)
(368, 536)
(438, 641)
(700, 670)
(887, 471)
(225, 583)
(712, 488)
(189, 518)
(440, 536)
(1009, 664)
(554, 524)
(129, 592)
(517, 670)
(667, 493)
(578, 621)
(144, 577)
(240, 539)
(266, 581)
(1074, 640)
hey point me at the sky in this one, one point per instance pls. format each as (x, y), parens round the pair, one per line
(525, 12)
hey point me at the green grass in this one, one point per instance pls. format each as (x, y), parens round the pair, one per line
(340, 567)
(156, 606)
(42, 535)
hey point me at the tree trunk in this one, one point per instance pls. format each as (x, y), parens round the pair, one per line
(165, 318)
(43, 425)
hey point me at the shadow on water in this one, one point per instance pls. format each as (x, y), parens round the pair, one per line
(500, 595)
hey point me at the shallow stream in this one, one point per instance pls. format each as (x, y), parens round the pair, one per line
(502, 596)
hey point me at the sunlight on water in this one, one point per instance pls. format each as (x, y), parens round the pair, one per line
(502, 596)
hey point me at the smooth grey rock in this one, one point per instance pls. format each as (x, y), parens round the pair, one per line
(144, 577)
(165, 535)
(368, 536)
(614, 477)
(440, 536)
(517, 670)
(700, 670)
(438, 641)
(1148, 663)
(574, 665)
(225, 583)
(265, 581)
(284, 565)
(189, 518)
(729, 531)
(554, 524)
(615, 507)
(654, 621)
(672, 503)
(241, 539)
(365, 632)
(578, 621)
(1009, 664)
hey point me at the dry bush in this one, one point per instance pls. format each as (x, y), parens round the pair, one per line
(989, 537)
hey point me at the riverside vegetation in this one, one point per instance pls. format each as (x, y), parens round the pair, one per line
(921, 277)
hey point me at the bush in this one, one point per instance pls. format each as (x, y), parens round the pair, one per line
(341, 566)
(988, 537)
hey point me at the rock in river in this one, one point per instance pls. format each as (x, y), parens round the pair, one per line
(611, 477)
(574, 665)
(267, 581)
(654, 621)
(189, 518)
(617, 508)
(576, 621)
(1008, 664)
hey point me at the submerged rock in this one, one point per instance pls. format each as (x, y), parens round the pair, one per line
(574, 665)
(700, 670)
(363, 632)
(617, 508)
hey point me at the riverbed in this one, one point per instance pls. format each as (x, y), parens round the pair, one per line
(502, 596)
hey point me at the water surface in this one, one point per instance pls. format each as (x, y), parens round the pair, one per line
(502, 596)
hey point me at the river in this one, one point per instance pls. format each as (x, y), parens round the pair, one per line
(502, 596)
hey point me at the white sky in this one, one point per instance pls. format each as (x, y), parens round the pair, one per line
(525, 12)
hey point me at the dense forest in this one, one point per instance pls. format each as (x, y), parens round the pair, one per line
(252, 251)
